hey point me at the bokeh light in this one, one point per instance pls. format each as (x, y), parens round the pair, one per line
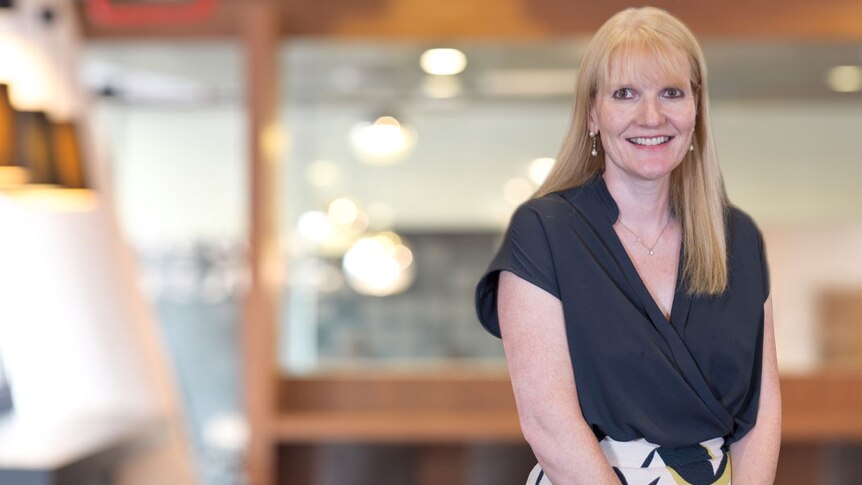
(379, 265)
(384, 142)
(443, 61)
(315, 226)
(343, 211)
(517, 190)
(540, 168)
(845, 79)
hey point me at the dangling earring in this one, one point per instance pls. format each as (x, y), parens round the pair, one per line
(691, 147)
(595, 150)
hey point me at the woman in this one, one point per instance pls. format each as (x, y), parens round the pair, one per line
(632, 299)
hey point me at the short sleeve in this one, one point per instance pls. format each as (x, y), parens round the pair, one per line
(525, 251)
(764, 266)
(746, 417)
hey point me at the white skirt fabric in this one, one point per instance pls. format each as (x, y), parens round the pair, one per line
(640, 462)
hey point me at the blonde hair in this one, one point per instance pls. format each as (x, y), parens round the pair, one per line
(697, 191)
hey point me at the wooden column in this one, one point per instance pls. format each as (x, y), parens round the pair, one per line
(259, 25)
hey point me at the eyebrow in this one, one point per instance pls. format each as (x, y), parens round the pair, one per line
(674, 84)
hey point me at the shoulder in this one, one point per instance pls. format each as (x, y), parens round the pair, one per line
(547, 205)
(741, 227)
(745, 247)
(747, 253)
(545, 208)
(531, 221)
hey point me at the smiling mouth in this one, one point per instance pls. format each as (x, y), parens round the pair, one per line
(650, 141)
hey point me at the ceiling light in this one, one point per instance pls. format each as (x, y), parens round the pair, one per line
(343, 211)
(443, 62)
(845, 79)
(384, 142)
(315, 226)
(379, 265)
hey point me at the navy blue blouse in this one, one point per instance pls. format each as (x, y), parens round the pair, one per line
(638, 375)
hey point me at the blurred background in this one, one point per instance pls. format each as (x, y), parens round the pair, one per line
(240, 238)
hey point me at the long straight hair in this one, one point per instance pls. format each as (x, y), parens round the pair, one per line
(697, 194)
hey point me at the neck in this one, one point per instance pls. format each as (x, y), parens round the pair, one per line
(644, 205)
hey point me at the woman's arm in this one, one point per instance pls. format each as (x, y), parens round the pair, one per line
(755, 457)
(537, 354)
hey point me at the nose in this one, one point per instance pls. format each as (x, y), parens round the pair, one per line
(650, 113)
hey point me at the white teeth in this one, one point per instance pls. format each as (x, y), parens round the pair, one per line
(658, 140)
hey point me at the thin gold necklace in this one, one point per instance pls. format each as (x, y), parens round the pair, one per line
(651, 249)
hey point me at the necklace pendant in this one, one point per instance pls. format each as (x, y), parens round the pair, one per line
(651, 252)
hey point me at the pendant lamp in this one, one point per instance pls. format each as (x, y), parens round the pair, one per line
(68, 166)
(11, 173)
(50, 156)
(34, 146)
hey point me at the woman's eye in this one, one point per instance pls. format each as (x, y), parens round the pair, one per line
(673, 93)
(623, 93)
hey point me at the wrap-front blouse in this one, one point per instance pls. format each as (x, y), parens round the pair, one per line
(638, 375)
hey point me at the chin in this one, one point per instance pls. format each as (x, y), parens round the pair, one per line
(653, 168)
(659, 168)
(654, 171)
(654, 176)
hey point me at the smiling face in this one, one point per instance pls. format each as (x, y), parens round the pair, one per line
(645, 112)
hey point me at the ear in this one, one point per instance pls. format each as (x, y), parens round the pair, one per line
(592, 125)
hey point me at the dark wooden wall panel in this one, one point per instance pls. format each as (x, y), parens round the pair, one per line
(514, 19)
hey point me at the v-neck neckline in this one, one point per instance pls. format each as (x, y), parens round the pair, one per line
(680, 302)
(643, 289)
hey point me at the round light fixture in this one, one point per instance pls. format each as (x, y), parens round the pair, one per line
(343, 211)
(443, 62)
(379, 265)
(384, 142)
(845, 79)
(315, 226)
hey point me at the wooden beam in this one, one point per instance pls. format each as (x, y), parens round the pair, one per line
(444, 427)
(518, 19)
(260, 38)
(448, 407)
(822, 407)
(531, 19)
(453, 391)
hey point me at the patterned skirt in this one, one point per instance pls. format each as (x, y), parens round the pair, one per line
(640, 462)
